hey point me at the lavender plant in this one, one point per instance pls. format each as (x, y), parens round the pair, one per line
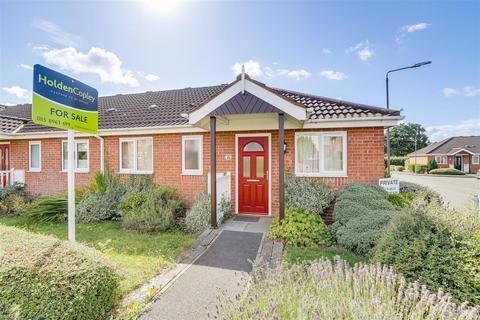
(326, 290)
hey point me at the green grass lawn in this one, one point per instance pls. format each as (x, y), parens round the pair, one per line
(138, 256)
(298, 255)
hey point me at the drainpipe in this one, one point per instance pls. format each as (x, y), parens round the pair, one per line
(102, 152)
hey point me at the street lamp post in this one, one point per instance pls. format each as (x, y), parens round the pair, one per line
(416, 65)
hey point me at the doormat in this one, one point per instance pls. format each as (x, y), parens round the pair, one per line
(246, 219)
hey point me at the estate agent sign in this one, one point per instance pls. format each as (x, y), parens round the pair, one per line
(390, 185)
(63, 102)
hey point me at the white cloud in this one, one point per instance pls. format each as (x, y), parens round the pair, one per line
(471, 91)
(326, 51)
(255, 69)
(97, 61)
(333, 75)
(152, 77)
(17, 91)
(8, 104)
(56, 33)
(409, 28)
(415, 27)
(252, 68)
(25, 66)
(363, 50)
(295, 74)
(450, 92)
(468, 127)
(467, 91)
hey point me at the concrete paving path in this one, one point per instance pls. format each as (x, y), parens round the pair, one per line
(220, 271)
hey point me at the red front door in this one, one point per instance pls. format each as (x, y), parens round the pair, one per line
(253, 175)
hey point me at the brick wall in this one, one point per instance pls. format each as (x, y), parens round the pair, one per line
(365, 161)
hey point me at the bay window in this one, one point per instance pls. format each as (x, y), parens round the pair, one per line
(476, 159)
(81, 155)
(321, 154)
(136, 155)
(192, 155)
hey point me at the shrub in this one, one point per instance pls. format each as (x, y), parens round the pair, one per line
(300, 228)
(306, 195)
(151, 211)
(428, 251)
(102, 199)
(42, 277)
(325, 290)
(421, 193)
(360, 214)
(14, 199)
(225, 209)
(49, 208)
(198, 217)
(432, 164)
(401, 200)
(447, 171)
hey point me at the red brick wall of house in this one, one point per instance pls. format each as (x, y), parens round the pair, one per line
(365, 161)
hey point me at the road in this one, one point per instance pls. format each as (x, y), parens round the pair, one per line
(456, 191)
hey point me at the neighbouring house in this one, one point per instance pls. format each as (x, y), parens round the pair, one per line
(257, 133)
(462, 153)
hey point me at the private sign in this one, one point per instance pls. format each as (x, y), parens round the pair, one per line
(63, 102)
(390, 185)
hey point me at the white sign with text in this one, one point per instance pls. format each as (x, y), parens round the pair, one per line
(390, 185)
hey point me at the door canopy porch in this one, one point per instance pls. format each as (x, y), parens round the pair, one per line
(246, 104)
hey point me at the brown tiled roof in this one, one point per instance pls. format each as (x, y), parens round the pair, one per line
(10, 124)
(451, 145)
(164, 108)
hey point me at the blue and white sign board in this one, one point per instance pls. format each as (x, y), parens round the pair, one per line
(63, 102)
(390, 185)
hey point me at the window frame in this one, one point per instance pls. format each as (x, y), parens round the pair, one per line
(192, 172)
(441, 157)
(30, 144)
(322, 172)
(478, 159)
(135, 155)
(77, 141)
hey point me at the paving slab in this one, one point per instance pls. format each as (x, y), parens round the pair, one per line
(221, 270)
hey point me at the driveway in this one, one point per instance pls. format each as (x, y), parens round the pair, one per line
(456, 191)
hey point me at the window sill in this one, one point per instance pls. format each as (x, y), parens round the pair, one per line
(186, 173)
(135, 172)
(321, 175)
(35, 170)
(77, 171)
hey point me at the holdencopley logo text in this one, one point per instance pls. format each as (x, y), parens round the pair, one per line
(61, 86)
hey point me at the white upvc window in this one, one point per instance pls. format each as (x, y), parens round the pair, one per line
(136, 155)
(321, 154)
(81, 155)
(476, 159)
(441, 159)
(35, 156)
(192, 155)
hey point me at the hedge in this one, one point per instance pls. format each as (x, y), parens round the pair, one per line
(42, 277)
(396, 161)
(417, 168)
(447, 171)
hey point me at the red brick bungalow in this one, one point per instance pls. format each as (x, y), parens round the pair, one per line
(462, 153)
(170, 135)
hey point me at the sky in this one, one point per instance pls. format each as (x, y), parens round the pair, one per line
(338, 49)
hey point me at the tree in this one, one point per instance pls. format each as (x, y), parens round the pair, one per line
(402, 139)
